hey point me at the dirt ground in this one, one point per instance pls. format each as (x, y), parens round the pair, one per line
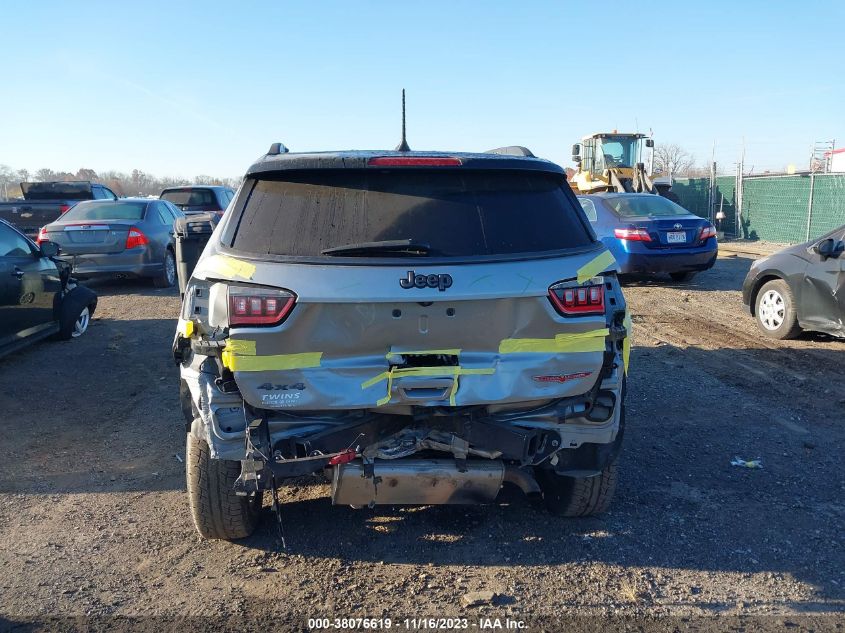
(94, 521)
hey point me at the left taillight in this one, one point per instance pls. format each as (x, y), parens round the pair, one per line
(633, 234)
(707, 232)
(42, 235)
(259, 306)
(571, 300)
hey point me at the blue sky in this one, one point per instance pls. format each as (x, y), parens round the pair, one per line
(179, 88)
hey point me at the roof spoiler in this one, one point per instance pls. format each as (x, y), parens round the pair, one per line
(276, 149)
(512, 150)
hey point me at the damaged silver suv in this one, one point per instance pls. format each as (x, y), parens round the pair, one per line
(420, 327)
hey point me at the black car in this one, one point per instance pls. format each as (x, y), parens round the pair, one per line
(800, 288)
(38, 297)
(199, 198)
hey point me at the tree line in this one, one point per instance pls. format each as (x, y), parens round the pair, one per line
(136, 183)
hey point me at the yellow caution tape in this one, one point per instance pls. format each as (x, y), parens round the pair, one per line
(187, 329)
(591, 341)
(229, 267)
(273, 362)
(626, 344)
(594, 267)
(243, 347)
(383, 401)
(401, 372)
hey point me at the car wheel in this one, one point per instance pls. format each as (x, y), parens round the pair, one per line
(217, 511)
(578, 496)
(75, 313)
(167, 278)
(775, 310)
(682, 276)
(81, 324)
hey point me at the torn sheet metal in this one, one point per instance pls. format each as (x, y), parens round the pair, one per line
(347, 355)
(626, 344)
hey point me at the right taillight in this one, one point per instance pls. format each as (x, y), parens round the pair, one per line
(135, 237)
(42, 235)
(707, 232)
(259, 306)
(577, 300)
(64, 208)
(632, 234)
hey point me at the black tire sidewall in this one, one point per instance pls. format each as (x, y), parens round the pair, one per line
(162, 281)
(71, 307)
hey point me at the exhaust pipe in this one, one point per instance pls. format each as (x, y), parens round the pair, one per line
(417, 482)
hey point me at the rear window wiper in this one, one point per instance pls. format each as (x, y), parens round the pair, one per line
(385, 247)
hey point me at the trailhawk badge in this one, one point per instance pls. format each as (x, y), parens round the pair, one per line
(413, 280)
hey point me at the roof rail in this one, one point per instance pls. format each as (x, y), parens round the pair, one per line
(277, 148)
(512, 150)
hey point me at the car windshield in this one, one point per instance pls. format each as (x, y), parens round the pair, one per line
(454, 213)
(189, 197)
(651, 205)
(106, 211)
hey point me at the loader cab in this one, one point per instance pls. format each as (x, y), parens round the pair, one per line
(609, 151)
(600, 154)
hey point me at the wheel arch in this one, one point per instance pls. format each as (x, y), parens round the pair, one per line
(755, 290)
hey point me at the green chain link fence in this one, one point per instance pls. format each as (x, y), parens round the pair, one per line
(774, 208)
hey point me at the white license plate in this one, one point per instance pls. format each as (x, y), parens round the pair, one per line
(676, 237)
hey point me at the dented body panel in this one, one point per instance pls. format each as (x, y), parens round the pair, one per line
(405, 362)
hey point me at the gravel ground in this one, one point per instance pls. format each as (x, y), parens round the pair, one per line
(94, 522)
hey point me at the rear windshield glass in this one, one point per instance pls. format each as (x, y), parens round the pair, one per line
(190, 197)
(644, 206)
(106, 211)
(455, 212)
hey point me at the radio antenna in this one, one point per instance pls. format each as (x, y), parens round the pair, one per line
(403, 146)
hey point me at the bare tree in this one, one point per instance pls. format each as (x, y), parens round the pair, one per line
(7, 177)
(132, 184)
(672, 160)
(86, 174)
(45, 175)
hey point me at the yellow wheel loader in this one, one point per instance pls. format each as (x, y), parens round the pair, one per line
(610, 161)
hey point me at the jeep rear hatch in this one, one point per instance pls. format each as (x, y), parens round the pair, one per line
(323, 316)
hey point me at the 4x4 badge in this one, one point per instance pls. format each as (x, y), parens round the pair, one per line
(413, 280)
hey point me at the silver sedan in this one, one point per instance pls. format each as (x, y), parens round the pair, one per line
(128, 237)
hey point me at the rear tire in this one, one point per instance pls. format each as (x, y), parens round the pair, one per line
(217, 511)
(167, 277)
(774, 310)
(578, 496)
(682, 276)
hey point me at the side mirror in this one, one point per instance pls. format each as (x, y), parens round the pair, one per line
(49, 249)
(576, 150)
(649, 142)
(825, 248)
